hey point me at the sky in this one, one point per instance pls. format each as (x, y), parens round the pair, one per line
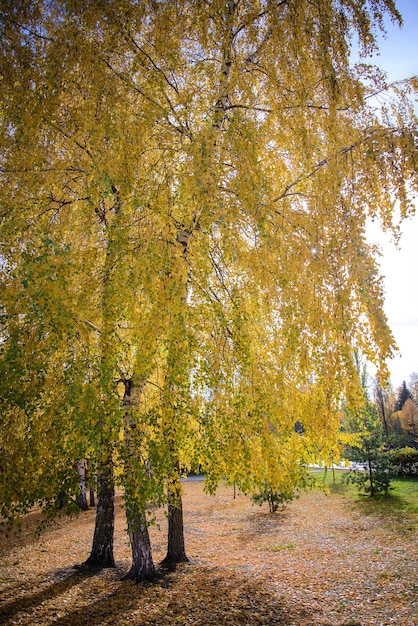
(399, 59)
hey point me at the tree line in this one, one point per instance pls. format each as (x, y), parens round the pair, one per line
(382, 435)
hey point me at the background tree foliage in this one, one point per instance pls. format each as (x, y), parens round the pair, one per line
(185, 188)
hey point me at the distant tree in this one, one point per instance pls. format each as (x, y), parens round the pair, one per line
(368, 442)
(409, 421)
(413, 385)
(82, 496)
(405, 418)
(369, 450)
(403, 395)
(381, 401)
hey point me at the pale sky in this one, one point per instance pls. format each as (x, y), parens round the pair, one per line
(399, 58)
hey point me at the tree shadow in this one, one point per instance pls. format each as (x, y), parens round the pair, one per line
(338, 487)
(263, 522)
(200, 596)
(68, 578)
(192, 595)
(382, 504)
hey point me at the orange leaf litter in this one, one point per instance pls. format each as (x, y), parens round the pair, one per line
(319, 562)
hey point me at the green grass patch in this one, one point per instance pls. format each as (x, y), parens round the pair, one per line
(281, 546)
(402, 498)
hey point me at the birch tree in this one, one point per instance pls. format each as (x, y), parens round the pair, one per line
(212, 167)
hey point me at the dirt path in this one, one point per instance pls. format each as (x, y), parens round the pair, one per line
(320, 562)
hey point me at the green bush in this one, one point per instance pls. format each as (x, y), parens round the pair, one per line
(275, 499)
(404, 461)
(376, 477)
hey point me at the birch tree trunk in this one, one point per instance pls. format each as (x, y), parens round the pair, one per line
(82, 496)
(176, 551)
(102, 548)
(142, 567)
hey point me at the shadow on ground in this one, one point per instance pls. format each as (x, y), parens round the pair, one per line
(29, 601)
(192, 595)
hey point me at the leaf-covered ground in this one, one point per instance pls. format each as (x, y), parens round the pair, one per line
(323, 561)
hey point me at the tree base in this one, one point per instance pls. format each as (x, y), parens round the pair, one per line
(139, 577)
(170, 563)
(95, 563)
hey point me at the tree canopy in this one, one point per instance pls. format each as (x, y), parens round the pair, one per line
(185, 189)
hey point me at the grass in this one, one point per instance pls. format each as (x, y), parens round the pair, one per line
(402, 499)
(281, 546)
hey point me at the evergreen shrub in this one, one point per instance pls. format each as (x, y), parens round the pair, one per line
(404, 461)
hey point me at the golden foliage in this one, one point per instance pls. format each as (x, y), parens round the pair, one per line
(186, 187)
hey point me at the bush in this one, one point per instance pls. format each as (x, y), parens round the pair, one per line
(404, 461)
(275, 499)
(376, 477)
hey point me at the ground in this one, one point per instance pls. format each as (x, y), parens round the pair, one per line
(325, 560)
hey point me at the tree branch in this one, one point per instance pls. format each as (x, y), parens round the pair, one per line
(326, 160)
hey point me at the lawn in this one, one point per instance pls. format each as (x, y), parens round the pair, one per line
(326, 560)
(401, 501)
